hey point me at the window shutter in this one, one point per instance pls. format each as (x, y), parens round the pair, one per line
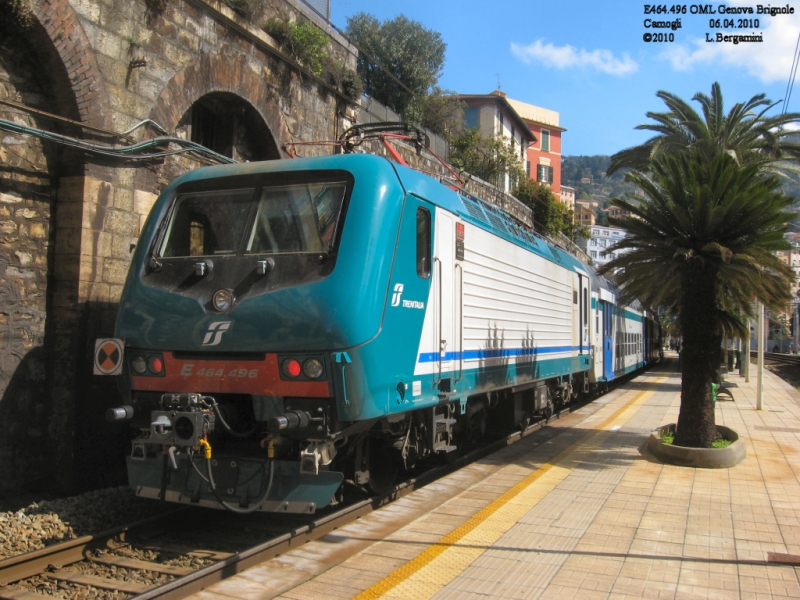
(549, 174)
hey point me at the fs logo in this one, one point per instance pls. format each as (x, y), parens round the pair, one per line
(215, 330)
(398, 291)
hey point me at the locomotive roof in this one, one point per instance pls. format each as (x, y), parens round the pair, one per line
(487, 216)
(470, 208)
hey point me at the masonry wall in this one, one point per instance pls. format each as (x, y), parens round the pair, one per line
(27, 169)
(69, 220)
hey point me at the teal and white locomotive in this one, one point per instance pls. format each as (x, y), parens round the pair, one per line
(289, 325)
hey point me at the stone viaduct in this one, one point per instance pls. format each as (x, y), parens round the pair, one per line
(69, 220)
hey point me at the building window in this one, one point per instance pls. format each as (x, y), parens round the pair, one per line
(528, 168)
(501, 123)
(544, 174)
(471, 117)
(593, 254)
(545, 140)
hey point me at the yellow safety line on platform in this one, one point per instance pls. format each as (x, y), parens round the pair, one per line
(443, 561)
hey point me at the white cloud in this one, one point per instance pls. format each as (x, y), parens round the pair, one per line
(769, 60)
(562, 57)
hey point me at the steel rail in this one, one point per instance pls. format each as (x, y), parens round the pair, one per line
(58, 555)
(786, 359)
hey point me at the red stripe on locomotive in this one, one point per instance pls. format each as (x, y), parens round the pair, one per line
(228, 377)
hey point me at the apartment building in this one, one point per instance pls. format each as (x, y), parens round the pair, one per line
(599, 244)
(492, 114)
(543, 159)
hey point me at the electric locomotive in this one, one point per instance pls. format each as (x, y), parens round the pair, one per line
(289, 325)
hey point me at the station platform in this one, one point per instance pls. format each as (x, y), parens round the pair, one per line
(578, 510)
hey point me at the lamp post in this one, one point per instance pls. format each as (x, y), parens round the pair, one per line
(760, 336)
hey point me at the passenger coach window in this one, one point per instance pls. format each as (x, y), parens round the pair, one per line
(423, 243)
(585, 306)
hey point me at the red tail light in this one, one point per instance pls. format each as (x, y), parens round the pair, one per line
(291, 368)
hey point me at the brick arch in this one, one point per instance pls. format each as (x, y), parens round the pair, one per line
(215, 73)
(85, 88)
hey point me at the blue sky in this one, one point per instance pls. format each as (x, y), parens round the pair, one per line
(588, 61)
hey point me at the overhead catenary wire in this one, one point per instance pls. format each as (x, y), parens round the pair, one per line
(792, 73)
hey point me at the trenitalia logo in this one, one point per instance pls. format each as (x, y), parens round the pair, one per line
(215, 331)
(398, 291)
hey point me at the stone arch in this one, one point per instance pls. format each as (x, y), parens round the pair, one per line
(215, 73)
(78, 68)
(228, 124)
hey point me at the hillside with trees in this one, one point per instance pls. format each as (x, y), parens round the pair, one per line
(576, 169)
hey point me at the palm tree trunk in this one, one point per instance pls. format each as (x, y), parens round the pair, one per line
(696, 427)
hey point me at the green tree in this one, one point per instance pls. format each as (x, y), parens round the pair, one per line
(412, 54)
(704, 242)
(486, 158)
(745, 133)
(440, 111)
(304, 41)
(550, 215)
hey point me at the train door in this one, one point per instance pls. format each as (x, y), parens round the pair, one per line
(444, 297)
(608, 339)
(597, 337)
(583, 313)
(576, 312)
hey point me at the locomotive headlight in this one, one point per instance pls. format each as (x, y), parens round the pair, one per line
(312, 368)
(138, 364)
(290, 368)
(222, 300)
(184, 428)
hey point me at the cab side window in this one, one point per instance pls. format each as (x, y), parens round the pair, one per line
(423, 243)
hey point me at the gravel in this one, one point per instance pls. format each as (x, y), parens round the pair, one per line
(52, 521)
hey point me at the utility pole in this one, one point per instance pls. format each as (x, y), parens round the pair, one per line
(760, 335)
(746, 354)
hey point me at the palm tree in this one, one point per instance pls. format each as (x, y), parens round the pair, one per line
(746, 133)
(704, 242)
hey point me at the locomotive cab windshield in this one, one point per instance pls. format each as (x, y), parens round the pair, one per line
(243, 236)
(272, 219)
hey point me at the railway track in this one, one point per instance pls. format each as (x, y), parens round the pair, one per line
(176, 554)
(779, 358)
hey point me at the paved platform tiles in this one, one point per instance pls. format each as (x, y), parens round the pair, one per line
(576, 511)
